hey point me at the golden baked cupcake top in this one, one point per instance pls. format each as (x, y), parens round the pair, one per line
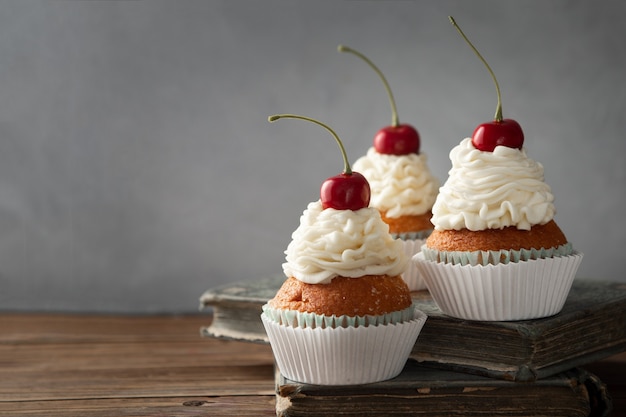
(372, 295)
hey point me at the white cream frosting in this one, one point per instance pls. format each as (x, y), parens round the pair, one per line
(401, 185)
(492, 190)
(330, 243)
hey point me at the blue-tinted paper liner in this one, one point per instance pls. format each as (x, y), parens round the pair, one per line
(420, 234)
(294, 318)
(494, 257)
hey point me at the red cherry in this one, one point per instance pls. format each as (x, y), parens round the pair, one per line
(499, 132)
(397, 140)
(504, 133)
(345, 192)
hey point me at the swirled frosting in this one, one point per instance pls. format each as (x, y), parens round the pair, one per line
(330, 243)
(492, 190)
(401, 185)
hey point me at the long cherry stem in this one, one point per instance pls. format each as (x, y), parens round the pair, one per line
(498, 116)
(346, 165)
(394, 112)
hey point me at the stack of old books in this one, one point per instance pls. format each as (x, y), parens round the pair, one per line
(459, 367)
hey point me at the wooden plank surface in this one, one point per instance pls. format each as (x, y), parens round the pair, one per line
(95, 365)
(70, 365)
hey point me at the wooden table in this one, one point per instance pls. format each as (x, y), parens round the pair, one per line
(97, 365)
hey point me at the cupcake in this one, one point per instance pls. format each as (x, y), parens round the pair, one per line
(344, 315)
(402, 186)
(496, 252)
(404, 191)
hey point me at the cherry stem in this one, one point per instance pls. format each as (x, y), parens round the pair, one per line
(498, 116)
(346, 165)
(394, 112)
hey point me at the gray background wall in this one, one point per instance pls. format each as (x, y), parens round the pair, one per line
(137, 168)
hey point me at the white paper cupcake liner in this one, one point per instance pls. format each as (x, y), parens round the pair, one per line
(504, 292)
(412, 275)
(343, 355)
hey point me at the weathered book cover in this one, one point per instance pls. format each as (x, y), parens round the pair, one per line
(237, 309)
(428, 392)
(591, 326)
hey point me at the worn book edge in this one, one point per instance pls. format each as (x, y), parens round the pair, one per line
(521, 373)
(236, 309)
(589, 328)
(417, 387)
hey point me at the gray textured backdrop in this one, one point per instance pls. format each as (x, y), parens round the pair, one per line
(137, 168)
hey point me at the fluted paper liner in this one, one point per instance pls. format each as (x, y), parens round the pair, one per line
(495, 257)
(420, 234)
(412, 275)
(505, 292)
(343, 355)
(296, 318)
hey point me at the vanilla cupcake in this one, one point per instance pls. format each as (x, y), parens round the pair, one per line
(344, 315)
(496, 252)
(404, 191)
(402, 186)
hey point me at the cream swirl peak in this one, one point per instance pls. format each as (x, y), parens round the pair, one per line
(492, 190)
(401, 185)
(330, 243)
